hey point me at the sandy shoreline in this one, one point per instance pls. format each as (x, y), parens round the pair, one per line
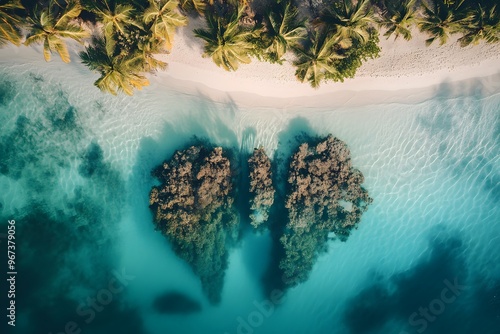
(405, 72)
(402, 65)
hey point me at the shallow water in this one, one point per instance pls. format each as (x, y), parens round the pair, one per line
(75, 175)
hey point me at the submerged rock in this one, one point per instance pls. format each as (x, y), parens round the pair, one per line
(193, 207)
(261, 186)
(92, 160)
(324, 196)
(176, 303)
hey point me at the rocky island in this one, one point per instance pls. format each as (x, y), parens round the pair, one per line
(324, 199)
(193, 207)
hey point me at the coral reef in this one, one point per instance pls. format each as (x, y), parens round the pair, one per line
(261, 187)
(193, 207)
(324, 195)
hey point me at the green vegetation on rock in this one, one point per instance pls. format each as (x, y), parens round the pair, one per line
(324, 196)
(193, 207)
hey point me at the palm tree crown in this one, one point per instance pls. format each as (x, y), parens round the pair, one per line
(398, 18)
(190, 5)
(10, 22)
(484, 25)
(53, 24)
(316, 61)
(116, 19)
(440, 20)
(226, 42)
(164, 18)
(350, 20)
(282, 31)
(118, 73)
(148, 48)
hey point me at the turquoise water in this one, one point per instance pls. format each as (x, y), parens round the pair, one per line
(75, 175)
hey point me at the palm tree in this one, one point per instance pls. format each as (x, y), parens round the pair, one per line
(10, 22)
(349, 20)
(398, 18)
(282, 31)
(225, 42)
(190, 5)
(53, 24)
(316, 61)
(116, 19)
(118, 73)
(164, 18)
(149, 48)
(442, 20)
(484, 25)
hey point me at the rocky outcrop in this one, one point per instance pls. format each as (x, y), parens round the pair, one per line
(193, 207)
(324, 197)
(261, 187)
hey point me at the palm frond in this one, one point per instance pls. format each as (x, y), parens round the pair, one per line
(440, 20)
(164, 19)
(225, 42)
(10, 22)
(118, 73)
(53, 23)
(349, 20)
(316, 61)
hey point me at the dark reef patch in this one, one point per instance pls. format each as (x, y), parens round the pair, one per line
(194, 208)
(323, 195)
(288, 140)
(10, 148)
(176, 303)
(407, 291)
(64, 237)
(435, 296)
(36, 78)
(7, 92)
(92, 160)
(66, 121)
(50, 131)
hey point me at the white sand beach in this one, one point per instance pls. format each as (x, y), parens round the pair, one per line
(405, 71)
(402, 65)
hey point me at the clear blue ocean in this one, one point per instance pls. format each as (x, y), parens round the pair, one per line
(75, 170)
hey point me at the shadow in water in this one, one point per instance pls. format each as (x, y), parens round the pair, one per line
(176, 303)
(475, 124)
(434, 296)
(205, 120)
(7, 91)
(297, 132)
(65, 238)
(243, 179)
(92, 160)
